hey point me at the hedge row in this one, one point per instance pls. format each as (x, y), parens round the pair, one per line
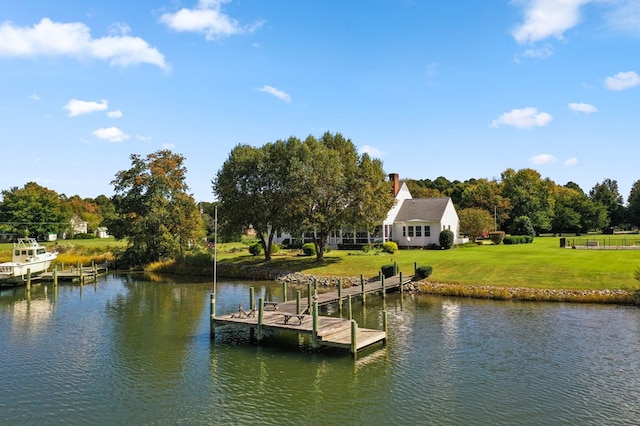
(518, 239)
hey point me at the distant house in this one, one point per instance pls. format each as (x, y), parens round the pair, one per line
(101, 232)
(7, 237)
(410, 223)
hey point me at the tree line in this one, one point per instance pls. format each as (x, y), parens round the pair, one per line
(503, 203)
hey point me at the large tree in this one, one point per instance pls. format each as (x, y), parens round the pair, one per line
(487, 195)
(153, 209)
(530, 196)
(32, 211)
(475, 222)
(607, 194)
(257, 187)
(340, 188)
(633, 205)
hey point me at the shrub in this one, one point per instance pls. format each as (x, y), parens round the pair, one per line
(275, 248)
(510, 239)
(389, 270)
(390, 247)
(433, 246)
(496, 237)
(255, 249)
(446, 239)
(83, 236)
(424, 271)
(528, 239)
(522, 226)
(309, 249)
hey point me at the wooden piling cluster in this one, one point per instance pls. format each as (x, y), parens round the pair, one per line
(323, 330)
(76, 272)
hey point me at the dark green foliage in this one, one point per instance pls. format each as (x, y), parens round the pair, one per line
(496, 236)
(446, 239)
(522, 226)
(424, 271)
(309, 249)
(389, 270)
(83, 236)
(275, 248)
(433, 246)
(255, 249)
(390, 247)
(518, 239)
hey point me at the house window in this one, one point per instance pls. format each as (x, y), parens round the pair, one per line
(404, 231)
(418, 231)
(427, 231)
(411, 231)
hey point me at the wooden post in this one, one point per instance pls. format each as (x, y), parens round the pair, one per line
(349, 307)
(284, 291)
(212, 315)
(384, 290)
(309, 296)
(362, 286)
(81, 273)
(260, 317)
(252, 298)
(314, 334)
(401, 285)
(415, 268)
(55, 275)
(28, 279)
(297, 301)
(339, 294)
(354, 338)
(395, 268)
(385, 325)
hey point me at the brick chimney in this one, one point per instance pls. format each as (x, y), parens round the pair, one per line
(394, 178)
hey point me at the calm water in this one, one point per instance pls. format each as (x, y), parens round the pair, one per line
(130, 350)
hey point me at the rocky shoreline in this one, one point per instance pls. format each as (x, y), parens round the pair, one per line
(625, 297)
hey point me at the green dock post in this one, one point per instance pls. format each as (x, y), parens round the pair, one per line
(297, 301)
(93, 265)
(384, 290)
(284, 291)
(385, 325)
(354, 338)
(212, 315)
(395, 268)
(309, 296)
(401, 285)
(340, 293)
(260, 317)
(415, 268)
(252, 298)
(362, 287)
(349, 307)
(314, 334)
(28, 279)
(55, 275)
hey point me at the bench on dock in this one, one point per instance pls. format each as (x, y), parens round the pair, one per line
(272, 305)
(288, 315)
(244, 314)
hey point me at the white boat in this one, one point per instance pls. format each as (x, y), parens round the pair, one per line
(28, 255)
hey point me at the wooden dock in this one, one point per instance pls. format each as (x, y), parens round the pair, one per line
(303, 318)
(75, 273)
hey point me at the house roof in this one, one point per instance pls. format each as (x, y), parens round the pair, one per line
(425, 209)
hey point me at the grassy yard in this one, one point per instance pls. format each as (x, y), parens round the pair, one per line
(542, 264)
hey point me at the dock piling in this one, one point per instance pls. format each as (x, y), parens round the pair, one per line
(212, 315)
(354, 338)
(29, 279)
(260, 318)
(252, 298)
(284, 291)
(297, 301)
(314, 335)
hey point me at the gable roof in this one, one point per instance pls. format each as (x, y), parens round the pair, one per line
(425, 209)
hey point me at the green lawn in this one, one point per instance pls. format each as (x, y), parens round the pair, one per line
(542, 264)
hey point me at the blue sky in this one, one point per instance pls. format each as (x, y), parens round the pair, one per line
(461, 89)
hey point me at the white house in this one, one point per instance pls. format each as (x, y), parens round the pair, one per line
(410, 222)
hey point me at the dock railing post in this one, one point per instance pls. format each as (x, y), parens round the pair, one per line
(284, 291)
(315, 319)
(28, 279)
(260, 317)
(340, 294)
(252, 298)
(354, 338)
(55, 275)
(349, 307)
(212, 315)
(309, 296)
(385, 325)
(401, 285)
(384, 290)
(297, 301)
(362, 287)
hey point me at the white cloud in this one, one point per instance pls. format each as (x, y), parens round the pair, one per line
(547, 18)
(143, 138)
(571, 162)
(625, 16)
(539, 53)
(582, 107)
(168, 146)
(34, 97)
(206, 18)
(77, 107)
(372, 151)
(523, 118)
(111, 134)
(275, 92)
(543, 159)
(48, 38)
(114, 114)
(622, 81)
